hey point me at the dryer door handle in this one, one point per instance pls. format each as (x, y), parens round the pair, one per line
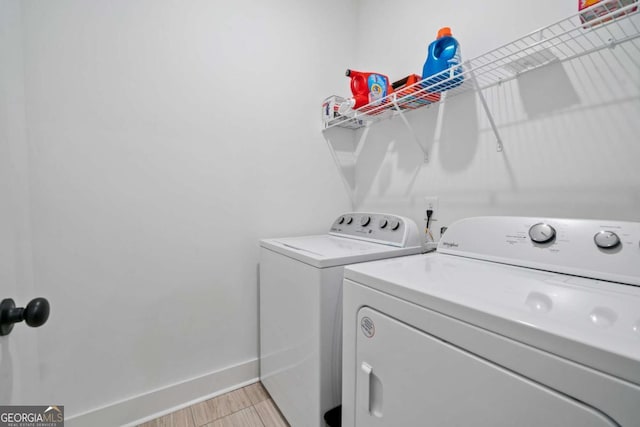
(366, 386)
(372, 391)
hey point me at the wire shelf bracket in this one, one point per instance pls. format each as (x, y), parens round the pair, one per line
(483, 101)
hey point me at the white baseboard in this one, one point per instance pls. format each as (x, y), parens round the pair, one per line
(147, 406)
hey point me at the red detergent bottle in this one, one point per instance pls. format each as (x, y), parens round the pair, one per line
(367, 88)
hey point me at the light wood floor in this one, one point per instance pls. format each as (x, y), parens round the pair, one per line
(249, 406)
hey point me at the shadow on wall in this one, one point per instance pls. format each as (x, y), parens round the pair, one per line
(371, 159)
(544, 91)
(345, 151)
(459, 133)
(393, 149)
(376, 143)
(424, 128)
(376, 153)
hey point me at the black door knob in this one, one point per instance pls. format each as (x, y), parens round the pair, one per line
(34, 314)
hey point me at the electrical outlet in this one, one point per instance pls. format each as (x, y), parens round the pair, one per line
(431, 240)
(432, 204)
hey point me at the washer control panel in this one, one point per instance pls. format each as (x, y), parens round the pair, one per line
(607, 250)
(387, 229)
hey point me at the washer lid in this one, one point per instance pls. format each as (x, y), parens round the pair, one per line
(328, 251)
(589, 321)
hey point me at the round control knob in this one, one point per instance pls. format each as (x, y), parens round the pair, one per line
(349, 220)
(395, 224)
(365, 220)
(341, 220)
(606, 239)
(383, 223)
(542, 233)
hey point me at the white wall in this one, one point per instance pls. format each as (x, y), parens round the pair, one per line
(164, 139)
(569, 131)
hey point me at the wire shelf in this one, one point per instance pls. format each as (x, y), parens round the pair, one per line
(609, 23)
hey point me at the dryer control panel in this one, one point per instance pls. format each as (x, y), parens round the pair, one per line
(387, 229)
(599, 249)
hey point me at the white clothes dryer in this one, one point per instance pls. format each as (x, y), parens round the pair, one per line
(513, 322)
(301, 307)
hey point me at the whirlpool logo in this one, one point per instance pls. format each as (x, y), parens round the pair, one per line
(32, 416)
(450, 244)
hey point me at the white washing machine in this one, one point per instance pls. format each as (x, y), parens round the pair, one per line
(301, 308)
(513, 322)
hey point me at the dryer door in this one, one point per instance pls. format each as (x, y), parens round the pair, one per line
(406, 377)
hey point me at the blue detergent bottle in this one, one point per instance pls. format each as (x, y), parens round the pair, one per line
(443, 53)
